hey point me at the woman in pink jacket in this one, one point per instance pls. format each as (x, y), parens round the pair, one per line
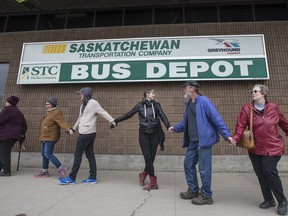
(270, 146)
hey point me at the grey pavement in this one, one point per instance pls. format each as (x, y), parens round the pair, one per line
(118, 193)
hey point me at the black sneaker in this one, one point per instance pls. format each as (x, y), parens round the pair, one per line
(267, 204)
(202, 200)
(282, 208)
(4, 174)
(189, 194)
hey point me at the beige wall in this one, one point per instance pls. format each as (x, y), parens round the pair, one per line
(118, 98)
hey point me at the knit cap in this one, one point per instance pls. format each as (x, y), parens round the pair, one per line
(52, 101)
(13, 100)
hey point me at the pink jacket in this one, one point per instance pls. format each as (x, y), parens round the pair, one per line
(265, 128)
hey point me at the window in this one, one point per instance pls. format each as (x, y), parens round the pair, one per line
(80, 20)
(108, 18)
(168, 15)
(271, 12)
(2, 23)
(201, 14)
(236, 13)
(4, 68)
(52, 21)
(21, 23)
(138, 17)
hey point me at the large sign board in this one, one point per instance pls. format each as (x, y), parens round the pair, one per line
(228, 57)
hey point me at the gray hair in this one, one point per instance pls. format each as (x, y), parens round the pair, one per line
(263, 89)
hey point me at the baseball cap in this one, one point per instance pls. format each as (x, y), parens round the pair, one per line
(191, 83)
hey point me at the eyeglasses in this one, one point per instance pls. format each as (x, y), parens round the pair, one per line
(255, 91)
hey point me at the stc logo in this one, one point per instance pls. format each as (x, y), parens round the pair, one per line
(25, 73)
(40, 72)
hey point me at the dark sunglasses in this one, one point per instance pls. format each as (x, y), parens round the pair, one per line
(255, 91)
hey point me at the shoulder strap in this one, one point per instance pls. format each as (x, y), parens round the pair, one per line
(251, 117)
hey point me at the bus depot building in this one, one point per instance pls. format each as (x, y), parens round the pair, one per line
(120, 48)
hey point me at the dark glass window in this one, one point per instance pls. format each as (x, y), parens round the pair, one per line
(52, 21)
(168, 15)
(271, 12)
(2, 23)
(80, 20)
(201, 14)
(21, 23)
(138, 17)
(236, 13)
(4, 69)
(108, 18)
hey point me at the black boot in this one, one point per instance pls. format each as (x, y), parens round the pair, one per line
(267, 204)
(282, 208)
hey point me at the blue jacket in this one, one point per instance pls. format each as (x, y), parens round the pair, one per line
(209, 123)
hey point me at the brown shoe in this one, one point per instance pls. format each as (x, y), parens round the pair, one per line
(142, 177)
(42, 174)
(202, 200)
(153, 185)
(189, 194)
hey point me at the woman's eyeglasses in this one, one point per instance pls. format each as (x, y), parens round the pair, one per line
(255, 91)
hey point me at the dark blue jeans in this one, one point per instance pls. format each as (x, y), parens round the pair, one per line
(47, 154)
(85, 143)
(203, 157)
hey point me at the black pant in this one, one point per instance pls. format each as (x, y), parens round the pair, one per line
(5, 154)
(149, 144)
(265, 168)
(85, 143)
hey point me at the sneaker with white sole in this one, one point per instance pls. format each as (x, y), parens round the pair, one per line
(89, 181)
(66, 180)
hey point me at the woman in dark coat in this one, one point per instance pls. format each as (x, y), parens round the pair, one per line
(149, 113)
(13, 127)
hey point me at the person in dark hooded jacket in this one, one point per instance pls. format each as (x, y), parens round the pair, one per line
(150, 133)
(13, 126)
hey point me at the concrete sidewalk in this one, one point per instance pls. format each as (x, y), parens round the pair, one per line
(118, 194)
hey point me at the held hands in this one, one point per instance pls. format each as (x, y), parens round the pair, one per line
(170, 129)
(70, 131)
(113, 125)
(231, 141)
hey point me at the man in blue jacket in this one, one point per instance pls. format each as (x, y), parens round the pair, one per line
(201, 125)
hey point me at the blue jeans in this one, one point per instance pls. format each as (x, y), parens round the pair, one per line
(203, 157)
(47, 154)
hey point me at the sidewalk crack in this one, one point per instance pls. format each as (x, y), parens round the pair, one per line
(142, 204)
